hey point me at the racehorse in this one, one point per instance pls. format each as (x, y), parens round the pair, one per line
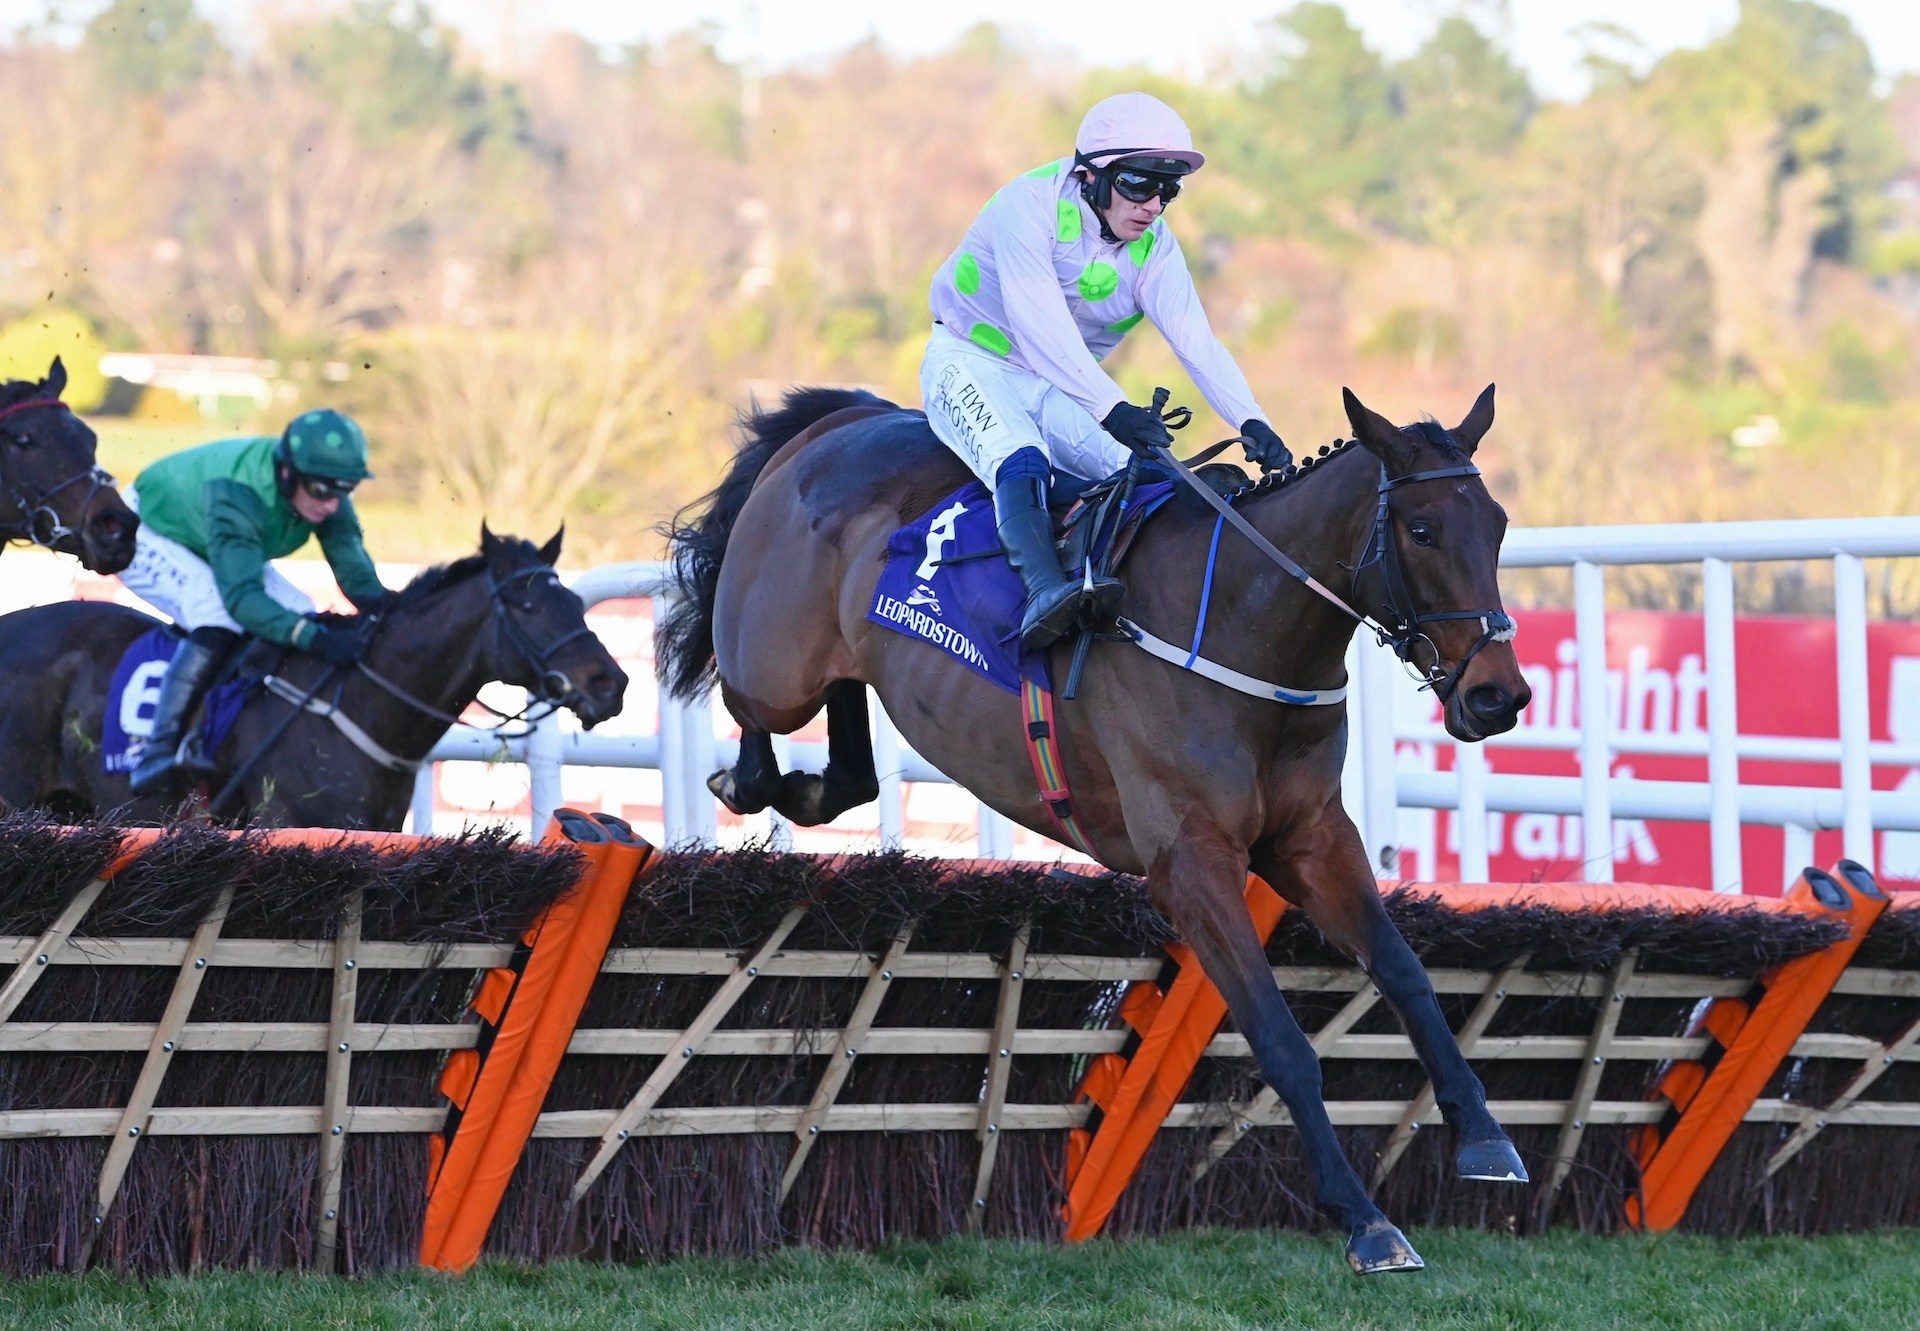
(501, 614)
(1173, 776)
(52, 492)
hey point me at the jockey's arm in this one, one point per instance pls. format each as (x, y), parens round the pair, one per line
(1043, 326)
(236, 552)
(1167, 297)
(346, 550)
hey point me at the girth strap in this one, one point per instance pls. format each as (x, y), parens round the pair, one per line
(1049, 773)
(341, 722)
(1231, 678)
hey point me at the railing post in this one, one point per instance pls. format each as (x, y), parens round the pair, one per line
(886, 762)
(699, 810)
(1470, 814)
(543, 771)
(996, 836)
(673, 769)
(1596, 749)
(421, 807)
(1796, 852)
(1856, 766)
(1723, 727)
(780, 831)
(1377, 763)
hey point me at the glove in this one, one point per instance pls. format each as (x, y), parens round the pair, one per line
(1136, 427)
(1264, 448)
(378, 603)
(338, 646)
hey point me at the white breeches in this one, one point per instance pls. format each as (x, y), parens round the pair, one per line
(181, 586)
(986, 410)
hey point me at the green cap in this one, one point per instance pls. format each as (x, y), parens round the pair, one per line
(327, 443)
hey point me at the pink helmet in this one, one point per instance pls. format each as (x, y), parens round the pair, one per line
(1134, 124)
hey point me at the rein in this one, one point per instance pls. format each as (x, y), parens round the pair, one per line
(1399, 627)
(38, 524)
(543, 694)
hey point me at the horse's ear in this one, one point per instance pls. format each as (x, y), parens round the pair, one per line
(56, 381)
(1473, 429)
(551, 550)
(1378, 435)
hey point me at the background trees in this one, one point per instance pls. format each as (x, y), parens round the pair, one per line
(547, 276)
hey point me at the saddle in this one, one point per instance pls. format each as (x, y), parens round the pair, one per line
(1084, 510)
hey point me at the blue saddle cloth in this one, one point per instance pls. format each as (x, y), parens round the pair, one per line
(134, 693)
(947, 583)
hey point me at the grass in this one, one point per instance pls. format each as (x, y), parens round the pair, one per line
(1210, 1279)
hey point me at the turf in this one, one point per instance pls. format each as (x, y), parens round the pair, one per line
(1211, 1279)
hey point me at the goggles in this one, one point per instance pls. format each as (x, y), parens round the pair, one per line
(1139, 186)
(323, 488)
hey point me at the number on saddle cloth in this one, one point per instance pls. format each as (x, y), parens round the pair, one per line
(947, 583)
(133, 695)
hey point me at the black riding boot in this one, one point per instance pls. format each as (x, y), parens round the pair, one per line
(187, 678)
(1054, 600)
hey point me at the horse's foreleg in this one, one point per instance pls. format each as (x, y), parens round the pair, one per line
(1201, 882)
(1324, 870)
(808, 799)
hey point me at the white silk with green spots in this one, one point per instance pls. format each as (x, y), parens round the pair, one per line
(1034, 285)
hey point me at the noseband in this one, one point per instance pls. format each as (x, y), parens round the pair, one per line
(1398, 621)
(38, 523)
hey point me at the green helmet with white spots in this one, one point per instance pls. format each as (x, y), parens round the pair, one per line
(326, 443)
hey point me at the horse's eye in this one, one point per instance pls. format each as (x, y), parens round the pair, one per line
(22, 441)
(528, 604)
(1422, 532)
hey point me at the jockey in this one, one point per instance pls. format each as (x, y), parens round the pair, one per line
(210, 520)
(1056, 269)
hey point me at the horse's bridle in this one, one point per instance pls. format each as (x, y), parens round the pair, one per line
(38, 524)
(1399, 627)
(1398, 620)
(530, 653)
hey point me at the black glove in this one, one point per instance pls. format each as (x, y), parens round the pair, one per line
(1264, 448)
(1136, 427)
(339, 646)
(378, 603)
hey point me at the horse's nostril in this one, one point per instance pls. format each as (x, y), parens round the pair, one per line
(604, 685)
(1489, 702)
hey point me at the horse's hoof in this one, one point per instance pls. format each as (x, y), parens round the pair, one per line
(1379, 1247)
(727, 791)
(1491, 1161)
(802, 799)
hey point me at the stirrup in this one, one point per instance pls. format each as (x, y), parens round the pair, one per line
(1050, 615)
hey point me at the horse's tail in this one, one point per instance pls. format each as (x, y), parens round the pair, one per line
(697, 535)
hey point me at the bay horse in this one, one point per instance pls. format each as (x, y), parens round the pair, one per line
(52, 490)
(1173, 776)
(501, 614)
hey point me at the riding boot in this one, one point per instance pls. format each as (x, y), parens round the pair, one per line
(1054, 600)
(192, 670)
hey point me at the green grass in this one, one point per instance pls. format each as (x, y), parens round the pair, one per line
(1217, 1279)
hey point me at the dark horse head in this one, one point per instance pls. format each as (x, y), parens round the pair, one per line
(51, 491)
(539, 637)
(1430, 568)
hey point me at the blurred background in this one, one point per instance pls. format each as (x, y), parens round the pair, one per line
(547, 250)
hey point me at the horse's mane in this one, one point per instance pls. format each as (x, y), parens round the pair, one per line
(1429, 431)
(432, 581)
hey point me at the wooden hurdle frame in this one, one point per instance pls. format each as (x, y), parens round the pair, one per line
(1194, 1035)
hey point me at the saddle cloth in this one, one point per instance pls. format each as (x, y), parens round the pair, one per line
(134, 693)
(947, 583)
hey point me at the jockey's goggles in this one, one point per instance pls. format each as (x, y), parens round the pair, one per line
(324, 488)
(1139, 186)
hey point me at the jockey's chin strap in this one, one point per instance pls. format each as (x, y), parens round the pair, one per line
(1399, 627)
(38, 523)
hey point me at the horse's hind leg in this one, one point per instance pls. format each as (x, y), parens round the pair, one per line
(809, 800)
(753, 782)
(1324, 870)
